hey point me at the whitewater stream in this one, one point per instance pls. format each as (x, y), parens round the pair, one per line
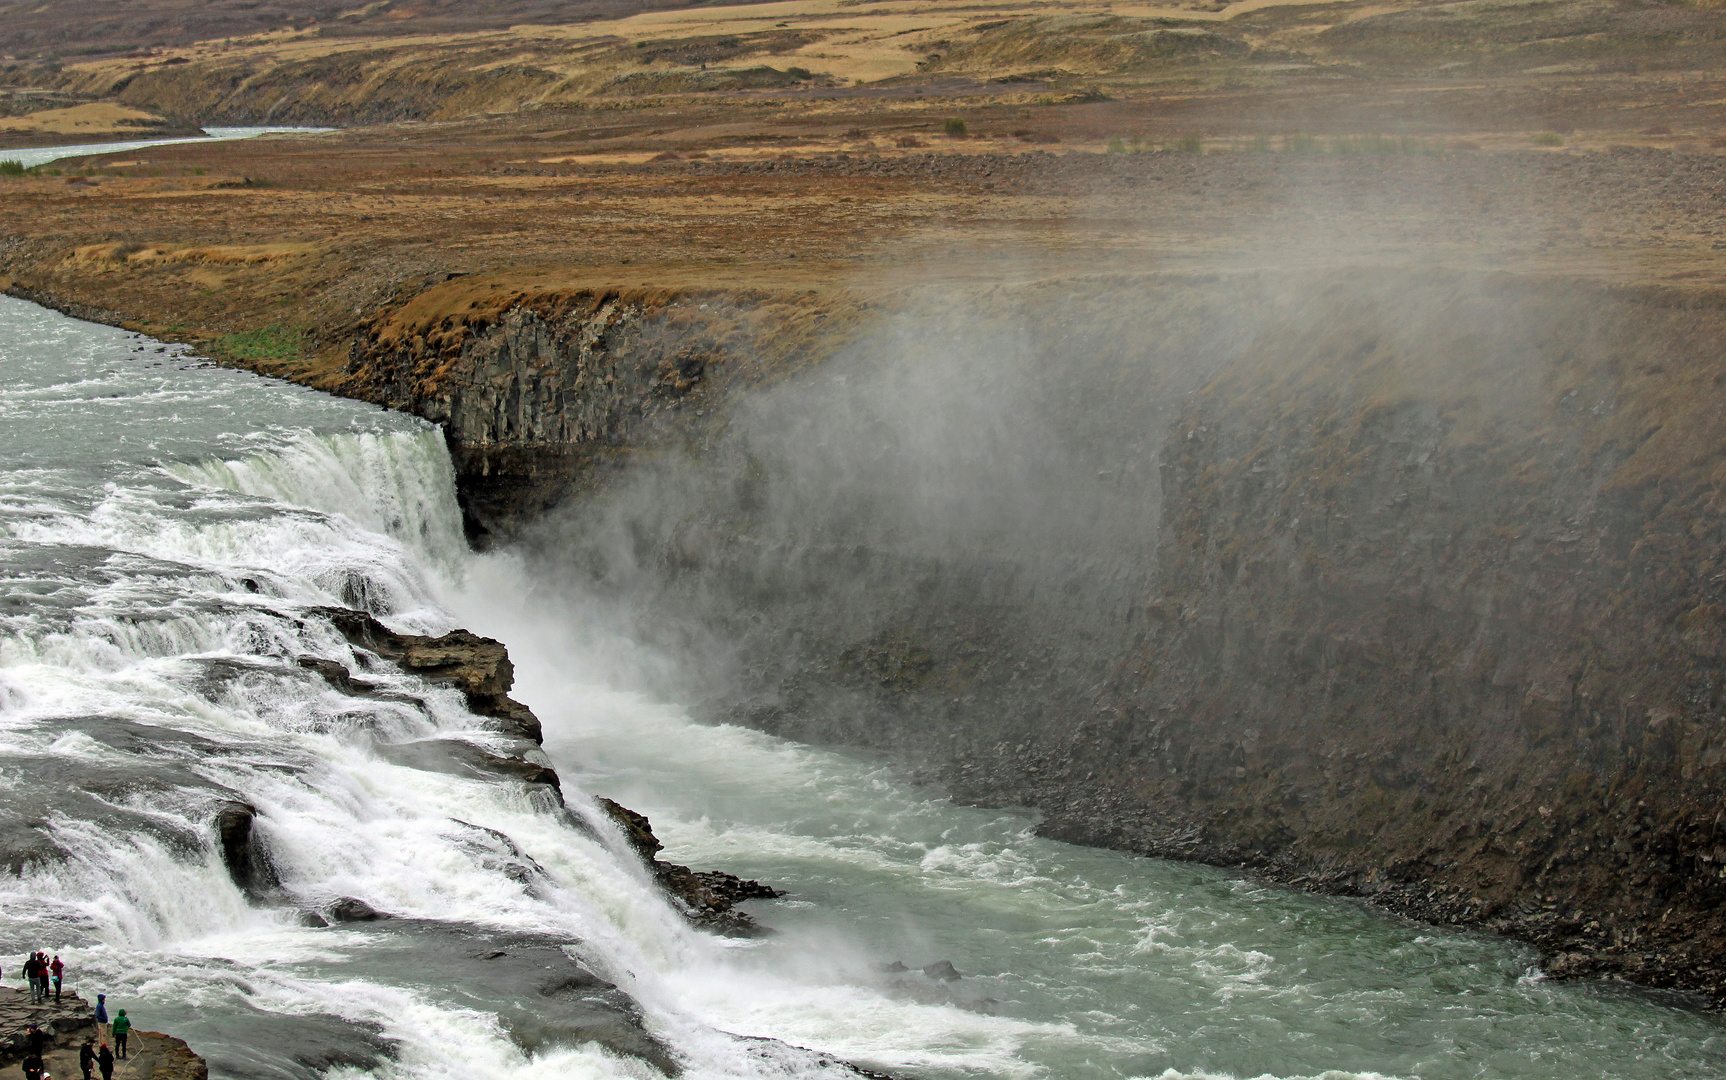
(166, 527)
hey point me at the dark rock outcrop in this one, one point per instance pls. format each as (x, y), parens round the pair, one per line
(547, 999)
(348, 909)
(248, 863)
(544, 392)
(479, 667)
(708, 898)
(462, 758)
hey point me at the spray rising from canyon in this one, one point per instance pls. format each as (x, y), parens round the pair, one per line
(1368, 579)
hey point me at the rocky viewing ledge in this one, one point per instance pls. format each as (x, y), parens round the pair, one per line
(152, 1056)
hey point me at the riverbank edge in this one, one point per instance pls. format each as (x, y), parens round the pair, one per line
(341, 369)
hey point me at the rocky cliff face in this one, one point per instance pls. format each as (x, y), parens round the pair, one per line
(544, 390)
(1401, 585)
(1439, 619)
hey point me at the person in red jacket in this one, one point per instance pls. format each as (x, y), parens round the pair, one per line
(58, 969)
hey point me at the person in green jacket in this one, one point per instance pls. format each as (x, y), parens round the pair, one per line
(122, 1027)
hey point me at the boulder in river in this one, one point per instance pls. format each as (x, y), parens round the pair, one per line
(351, 909)
(248, 864)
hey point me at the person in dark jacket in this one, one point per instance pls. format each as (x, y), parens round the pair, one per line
(105, 1062)
(33, 1066)
(101, 1008)
(87, 1057)
(35, 1039)
(32, 972)
(122, 1027)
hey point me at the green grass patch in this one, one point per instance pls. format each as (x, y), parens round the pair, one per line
(278, 342)
(955, 127)
(11, 167)
(1549, 138)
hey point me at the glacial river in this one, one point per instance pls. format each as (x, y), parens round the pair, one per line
(165, 527)
(30, 157)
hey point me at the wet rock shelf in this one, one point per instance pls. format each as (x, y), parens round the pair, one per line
(68, 1021)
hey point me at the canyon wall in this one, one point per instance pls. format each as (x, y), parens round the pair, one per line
(543, 392)
(1398, 584)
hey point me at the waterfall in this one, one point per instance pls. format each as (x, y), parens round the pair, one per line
(163, 601)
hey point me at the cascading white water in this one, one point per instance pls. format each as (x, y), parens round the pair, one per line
(165, 528)
(170, 528)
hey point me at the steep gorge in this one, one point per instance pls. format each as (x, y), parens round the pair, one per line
(1400, 585)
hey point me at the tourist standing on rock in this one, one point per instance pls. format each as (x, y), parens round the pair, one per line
(33, 1066)
(122, 1027)
(32, 973)
(58, 969)
(102, 1009)
(87, 1056)
(105, 1062)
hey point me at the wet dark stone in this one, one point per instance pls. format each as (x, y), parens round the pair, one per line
(336, 675)
(547, 997)
(248, 865)
(707, 898)
(349, 909)
(459, 757)
(636, 828)
(479, 667)
(279, 1046)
